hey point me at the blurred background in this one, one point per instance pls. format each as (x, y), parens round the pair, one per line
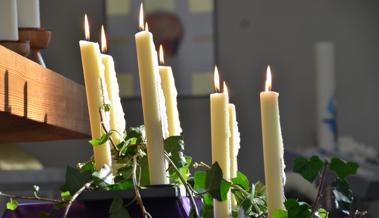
(323, 55)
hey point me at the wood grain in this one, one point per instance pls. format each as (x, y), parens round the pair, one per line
(38, 104)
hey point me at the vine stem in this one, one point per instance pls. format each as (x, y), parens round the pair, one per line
(185, 184)
(320, 188)
(75, 196)
(106, 129)
(136, 190)
(31, 198)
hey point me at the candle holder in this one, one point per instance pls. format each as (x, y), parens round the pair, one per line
(39, 39)
(20, 47)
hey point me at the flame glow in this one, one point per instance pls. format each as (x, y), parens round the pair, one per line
(141, 17)
(268, 84)
(86, 27)
(146, 27)
(226, 91)
(216, 79)
(161, 55)
(104, 46)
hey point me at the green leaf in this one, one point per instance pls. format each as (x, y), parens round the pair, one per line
(184, 171)
(343, 196)
(117, 209)
(207, 208)
(215, 184)
(90, 166)
(12, 204)
(101, 140)
(136, 134)
(308, 168)
(321, 213)
(75, 179)
(279, 213)
(65, 195)
(200, 177)
(343, 169)
(128, 184)
(242, 181)
(174, 146)
(297, 209)
(145, 178)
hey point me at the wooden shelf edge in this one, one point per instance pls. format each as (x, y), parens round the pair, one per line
(38, 104)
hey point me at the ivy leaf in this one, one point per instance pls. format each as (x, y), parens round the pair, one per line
(242, 181)
(90, 166)
(215, 184)
(117, 209)
(136, 134)
(101, 140)
(174, 146)
(199, 179)
(308, 168)
(279, 213)
(343, 169)
(12, 204)
(144, 176)
(321, 213)
(184, 171)
(65, 195)
(343, 196)
(297, 209)
(75, 179)
(207, 208)
(128, 184)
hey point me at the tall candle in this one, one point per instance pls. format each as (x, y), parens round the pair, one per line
(28, 13)
(149, 77)
(234, 143)
(117, 116)
(8, 20)
(272, 147)
(96, 95)
(170, 94)
(220, 141)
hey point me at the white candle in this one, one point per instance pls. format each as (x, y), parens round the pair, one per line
(117, 116)
(234, 143)
(8, 20)
(28, 13)
(97, 95)
(272, 147)
(325, 83)
(170, 95)
(220, 141)
(149, 78)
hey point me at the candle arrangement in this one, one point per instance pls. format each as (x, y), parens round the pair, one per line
(153, 156)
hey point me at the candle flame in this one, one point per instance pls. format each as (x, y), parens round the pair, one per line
(146, 27)
(86, 27)
(141, 17)
(216, 79)
(104, 46)
(161, 55)
(268, 84)
(226, 91)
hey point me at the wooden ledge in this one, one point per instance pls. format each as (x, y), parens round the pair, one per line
(38, 104)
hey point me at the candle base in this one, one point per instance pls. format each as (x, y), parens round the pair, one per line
(20, 47)
(39, 39)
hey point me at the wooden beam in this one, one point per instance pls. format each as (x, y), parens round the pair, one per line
(38, 104)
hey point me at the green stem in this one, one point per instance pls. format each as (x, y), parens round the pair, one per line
(320, 188)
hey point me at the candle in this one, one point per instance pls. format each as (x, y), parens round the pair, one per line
(234, 143)
(8, 20)
(325, 85)
(117, 116)
(149, 78)
(272, 147)
(170, 95)
(96, 95)
(28, 13)
(220, 140)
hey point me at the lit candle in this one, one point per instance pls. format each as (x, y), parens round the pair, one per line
(149, 84)
(8, 20)
(28, 13)
(272, 147)
(97, 95)
(170, 94)
(117, 116)
(234, 142)
(220, 140)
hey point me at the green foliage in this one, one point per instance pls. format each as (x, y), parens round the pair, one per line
(12, 204)
(117, 209)
(297, 209)
(215, 184)
(308, 168)
(174, 146)
(241, 180)
(75, 179)
(66, 195)
(279, 213)
(343, 169)
(343, 196)
(322, 213)
(99, 141)
(207, 207)
(199, 179)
